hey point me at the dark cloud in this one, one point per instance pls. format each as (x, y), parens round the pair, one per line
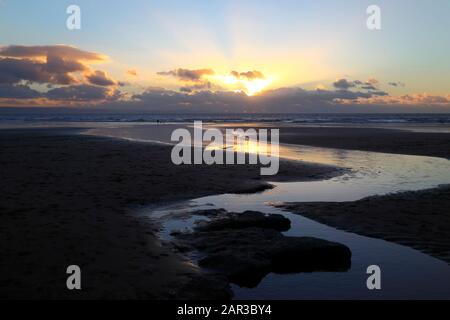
(188, 75)
(49, 64)
(63, 70)
(301, 98)
(273, 101)
(379, 93)
(198, 74)
(83, 93)
(57, 64)
(200, 86)
(100, 78)
(186, 89)
(344, 84)
(371, 84)
(158, 99)
(249, 75)
(396, 84)
(9, 91)
(16, 70)
(368, 87)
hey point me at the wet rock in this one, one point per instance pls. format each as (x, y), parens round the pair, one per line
(307, 254)
(246, 220)
(211, 212)
(246, 248)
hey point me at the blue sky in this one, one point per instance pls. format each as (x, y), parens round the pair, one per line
(295, 43)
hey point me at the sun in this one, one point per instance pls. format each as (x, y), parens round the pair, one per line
(250, 86)
(256, 86)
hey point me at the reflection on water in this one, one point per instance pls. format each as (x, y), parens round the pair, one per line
(406, 273)
(371, 173)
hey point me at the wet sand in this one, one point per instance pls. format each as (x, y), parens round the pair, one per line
(419, 219)
(370, 139)
(69, 199)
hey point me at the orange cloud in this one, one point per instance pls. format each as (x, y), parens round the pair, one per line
(64, 70)
(409, 99)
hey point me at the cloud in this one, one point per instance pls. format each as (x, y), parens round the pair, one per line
(132, 72)
(9, 91)
(372, 81)
(249, 75)
(188, 75)
(370, 85)
(64, 70)
(63, 75)
(282, 100)
(68, 52)
(250, 82)
(396, 84)
(57, 65)
(16, 70)
(192, 99)
(344, 84)
(200, 86)
(424, 98)
(379, 93)
(100, 78)
(76, 95)
(418, 100)
(83, 93)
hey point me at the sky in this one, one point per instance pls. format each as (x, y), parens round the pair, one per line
(226, 55)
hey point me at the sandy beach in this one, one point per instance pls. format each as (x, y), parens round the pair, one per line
(419, 219)
(370, 139)
(70, 199)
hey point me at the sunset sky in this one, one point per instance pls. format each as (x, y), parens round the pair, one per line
(254, 55)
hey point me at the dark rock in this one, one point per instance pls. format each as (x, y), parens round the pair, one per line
(246, 247)
(246, 220)
(306, 254)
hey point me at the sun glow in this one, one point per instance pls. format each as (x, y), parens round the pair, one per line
(256, 86)
(250, 86)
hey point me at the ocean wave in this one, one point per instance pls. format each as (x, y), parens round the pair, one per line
(286, 118)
